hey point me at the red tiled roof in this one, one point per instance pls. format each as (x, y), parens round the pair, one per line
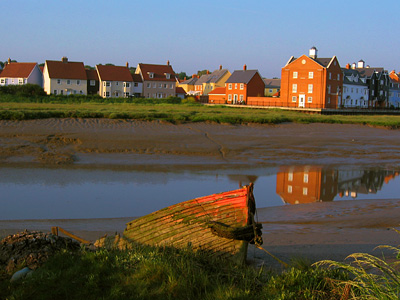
(92, 74)
(218, 91)
(18, 70)
(179, 90)
(66, 70)
(114, 73)
(159, 72)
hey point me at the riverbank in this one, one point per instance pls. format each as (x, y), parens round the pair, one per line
(327, 230)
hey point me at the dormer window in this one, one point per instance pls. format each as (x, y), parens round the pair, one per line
(151, 74)
(167, 75)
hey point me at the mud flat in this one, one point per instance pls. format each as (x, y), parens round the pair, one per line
(327, 230)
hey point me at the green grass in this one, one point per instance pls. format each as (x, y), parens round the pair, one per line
(154, 273)
(170, 110)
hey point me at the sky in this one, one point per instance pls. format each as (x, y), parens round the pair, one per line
(200, 35)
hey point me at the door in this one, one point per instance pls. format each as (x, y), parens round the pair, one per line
(235, 99)
(302, 100)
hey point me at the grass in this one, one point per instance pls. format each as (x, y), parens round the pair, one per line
(171, 110)
(162, 273)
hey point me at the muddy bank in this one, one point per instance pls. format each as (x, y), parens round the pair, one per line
(125, 142)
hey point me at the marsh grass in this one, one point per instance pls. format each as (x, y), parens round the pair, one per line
(163, 273)
(371, 277)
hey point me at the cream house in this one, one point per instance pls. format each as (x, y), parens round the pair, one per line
(115, 81)
(64, 77)
(16, 73)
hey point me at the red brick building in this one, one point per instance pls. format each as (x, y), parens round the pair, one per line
(242, 84)
(311, 82)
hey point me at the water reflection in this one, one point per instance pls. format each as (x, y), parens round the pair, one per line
(29, 193)
(307, 184)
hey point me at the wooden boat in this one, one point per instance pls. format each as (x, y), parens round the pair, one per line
(221, 224)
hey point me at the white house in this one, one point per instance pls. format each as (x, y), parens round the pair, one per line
(21, 73)
(355, 90)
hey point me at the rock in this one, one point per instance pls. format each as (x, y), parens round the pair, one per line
(21, 274)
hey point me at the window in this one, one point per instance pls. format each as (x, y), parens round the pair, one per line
(78, 82)
(290, 176)
(58, 81)
(338, 76)
(309, 99)
(81, 92)
(230, 86)
(289, 189)
(107, 94)
(2, 80)
(68, 81)
(20, 81)
(154, 86)
(165, 86)
(311, 75)
(171, 86)
(294, 88)
(235, 86)
(116, 94)
(107, 83)
(329, 100)
(310, 88)
(135, 84)
(330, 75)
(117, 83)
(148, 85)
(305, 178)
(329, 88)
(271, 90)
(92, 82)
(151, 75)
(126, 94)
(160, 85)
(295, 74)
(55, 92)
(294, 98)
(242, 86)
(241, 98)
(230, 97)
(127, 84)
(305, 191)
(167, 75)
(61, 92)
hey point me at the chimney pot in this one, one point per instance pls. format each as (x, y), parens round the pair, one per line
(348, 66)
(244, 67)
(64, 59)
(220, 67)
(127, 64)
(208, 72)
(9, 60)
(167, 62)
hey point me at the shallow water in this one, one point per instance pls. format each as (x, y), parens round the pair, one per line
(40, 193)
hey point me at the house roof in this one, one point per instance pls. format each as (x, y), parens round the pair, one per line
(66, 69)
(242, 76)
(190, 81)
(324, 62)
(92, 74)
(368, 72)
(137, 78)
(18, 70)
(349, 73)
(159, 72)
(218, 91)
(179, 90)
(114, 73)
(272, 83)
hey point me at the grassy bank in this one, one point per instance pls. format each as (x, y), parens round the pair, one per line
(150, 273)
(171, 110)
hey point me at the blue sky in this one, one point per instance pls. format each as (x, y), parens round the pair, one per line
(198, 35)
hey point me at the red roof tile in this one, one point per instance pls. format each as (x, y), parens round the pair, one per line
(18, 70)
(66, 70)
(218, 91)
(159, 72)
(114, 73)
(137, 78)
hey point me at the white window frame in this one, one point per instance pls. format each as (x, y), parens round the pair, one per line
(229, 86)
(242, 86)
(310, 88)
(295, 75)
(294, 99)
(294, 88)
(310, 75)
(92, 82)
(290, 189)
(309, 100)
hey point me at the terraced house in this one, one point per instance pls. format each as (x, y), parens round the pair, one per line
(64, 77)
(158, 80)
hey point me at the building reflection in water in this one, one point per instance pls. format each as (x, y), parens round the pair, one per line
(307, 184)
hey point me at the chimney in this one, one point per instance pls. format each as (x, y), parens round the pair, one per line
(9, 60)
(361, 64)
(348, 66)
(313, 53)
(167, 62)
(64, 59)
(220, 67)
(127, 64)
(244, 67)
(208, 72)
(194, 75)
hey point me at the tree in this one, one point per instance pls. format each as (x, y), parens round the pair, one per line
(182, 75)
(203, 72)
